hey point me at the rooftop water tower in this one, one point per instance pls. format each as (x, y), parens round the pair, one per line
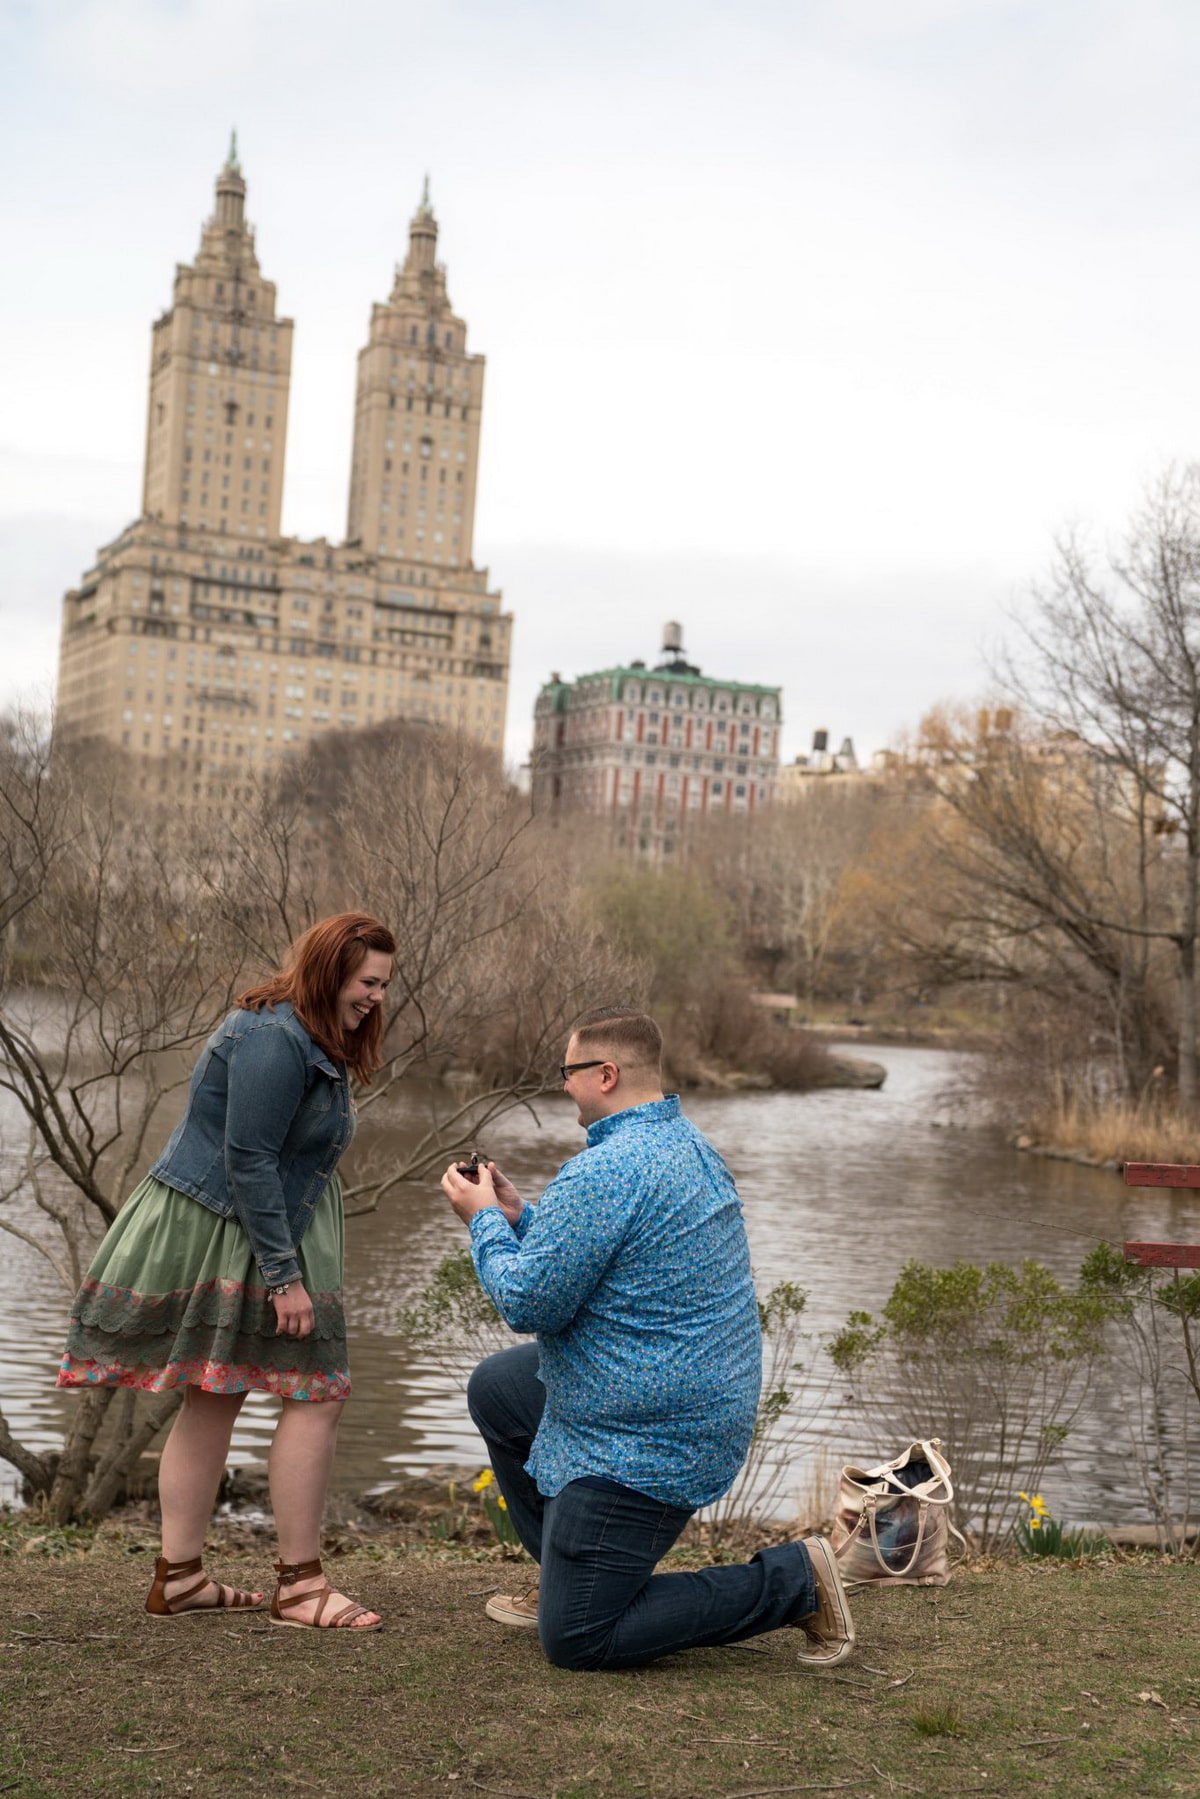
(674, 660)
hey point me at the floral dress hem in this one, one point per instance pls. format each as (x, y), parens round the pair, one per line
(174, 1297)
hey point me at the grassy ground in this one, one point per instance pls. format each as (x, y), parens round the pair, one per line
(1074, 1679)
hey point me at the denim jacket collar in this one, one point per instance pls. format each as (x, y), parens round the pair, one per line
(655, 1111)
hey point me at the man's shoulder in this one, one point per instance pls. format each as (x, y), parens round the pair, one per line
(607, 1165)
(643, 1150)
(699, 1154)
(583, 1166)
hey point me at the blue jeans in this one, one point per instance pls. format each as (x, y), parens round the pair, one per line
(600, 1603)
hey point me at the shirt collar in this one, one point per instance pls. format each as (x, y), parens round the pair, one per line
(656, 1111)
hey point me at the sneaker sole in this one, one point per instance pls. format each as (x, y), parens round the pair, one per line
(826, 1658)
(820, 1552)
(514, 1620)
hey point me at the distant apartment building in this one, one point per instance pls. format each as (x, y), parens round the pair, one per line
(651, 749)
(805, 773)
(948, 757)
(209, 645)
(825, 770)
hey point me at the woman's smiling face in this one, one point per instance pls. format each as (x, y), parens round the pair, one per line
(364, 990)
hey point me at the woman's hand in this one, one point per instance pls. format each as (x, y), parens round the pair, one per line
(294, 1314)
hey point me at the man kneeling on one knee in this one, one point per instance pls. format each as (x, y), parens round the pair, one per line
(636, 1402)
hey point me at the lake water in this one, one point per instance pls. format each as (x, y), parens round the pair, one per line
(840, 1188)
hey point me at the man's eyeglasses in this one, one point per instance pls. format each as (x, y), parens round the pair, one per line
(567, 1069)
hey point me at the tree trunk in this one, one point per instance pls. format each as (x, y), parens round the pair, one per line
(1187, 1030)
(1187, 978)
(25, 1461)
(73, 1466)
(122, 1457)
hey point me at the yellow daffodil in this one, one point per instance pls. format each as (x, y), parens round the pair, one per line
(1035, 1524)
(482, 1480)
(502, 1502)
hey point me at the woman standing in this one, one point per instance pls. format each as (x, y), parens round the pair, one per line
(223, 1271)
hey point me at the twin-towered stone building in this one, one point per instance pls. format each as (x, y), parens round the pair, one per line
(212, 647)
(206, 642)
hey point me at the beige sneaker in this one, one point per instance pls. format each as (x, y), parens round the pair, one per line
(830, 1629)
(517, 1610)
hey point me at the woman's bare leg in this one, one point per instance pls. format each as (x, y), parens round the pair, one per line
(300, 1465)
(193, 1460)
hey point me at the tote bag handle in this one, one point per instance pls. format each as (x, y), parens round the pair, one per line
(922, 1519)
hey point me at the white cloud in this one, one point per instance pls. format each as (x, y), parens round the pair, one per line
(41, 555)
(834, 639)
(852, 302)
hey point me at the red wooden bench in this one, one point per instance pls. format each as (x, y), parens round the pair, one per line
(1162, 1174)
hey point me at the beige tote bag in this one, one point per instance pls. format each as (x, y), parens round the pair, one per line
(892, 1524)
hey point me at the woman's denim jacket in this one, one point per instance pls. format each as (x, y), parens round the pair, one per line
(268, 1118)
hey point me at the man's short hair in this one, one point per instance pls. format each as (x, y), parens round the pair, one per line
(631, 1034)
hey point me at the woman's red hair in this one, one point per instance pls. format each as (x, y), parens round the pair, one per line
(315, 969)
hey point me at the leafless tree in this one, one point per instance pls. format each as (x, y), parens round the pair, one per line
(1114, 658)
(112, 971)
(126, 931)
(1037, 873)
(792, 875)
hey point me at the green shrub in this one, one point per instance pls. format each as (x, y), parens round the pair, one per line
(1153, 1334)
(995, 1361)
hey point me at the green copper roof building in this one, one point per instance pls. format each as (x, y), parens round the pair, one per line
(654, 749)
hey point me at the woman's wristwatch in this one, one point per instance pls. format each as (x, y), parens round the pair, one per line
(278, 1292)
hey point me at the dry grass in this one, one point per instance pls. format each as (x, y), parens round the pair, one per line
(1075, 1681)
(1118, 1133)
(817, 1497)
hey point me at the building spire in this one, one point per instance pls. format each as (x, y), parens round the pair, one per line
(422, 238)
(231, 192)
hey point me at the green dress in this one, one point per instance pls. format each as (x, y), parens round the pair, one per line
(174, 1296)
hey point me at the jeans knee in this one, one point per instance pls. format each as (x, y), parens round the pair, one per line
(479, 1391)
(578, 1653)
(504, 1396)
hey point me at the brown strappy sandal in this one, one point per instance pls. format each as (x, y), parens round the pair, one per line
(343, 1620)
(159, 1606)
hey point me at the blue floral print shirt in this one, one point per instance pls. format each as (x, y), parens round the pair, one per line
(634, 1273)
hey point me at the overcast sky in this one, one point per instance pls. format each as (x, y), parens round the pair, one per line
(807, 322)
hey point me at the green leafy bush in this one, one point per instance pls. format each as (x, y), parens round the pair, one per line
(1152, 1328)
(453, 1321)
(995, 1361)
